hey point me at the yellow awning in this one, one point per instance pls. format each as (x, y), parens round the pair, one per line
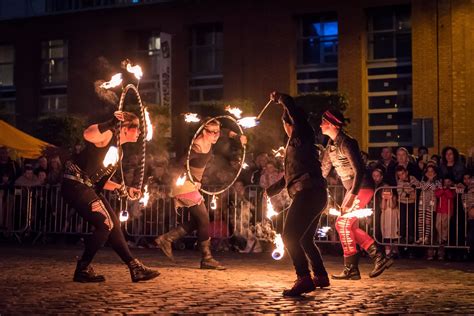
(25, 145)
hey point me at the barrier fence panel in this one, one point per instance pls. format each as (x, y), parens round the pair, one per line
(403, 216)
(409, 216)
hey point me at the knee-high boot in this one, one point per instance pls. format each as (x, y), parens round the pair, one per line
(207, 261)
(351, 269)
(165, 241)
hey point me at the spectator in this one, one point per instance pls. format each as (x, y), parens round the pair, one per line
(444, 211)
(269, 176)
(451, 166)
(41, 177)
(406, 185)
(403, 159)
(387, 164)
(427, 206)
(260, 162)
(422, 153)
(42, 165)
(28, 179)
(377, 177)
(55, 171)
(8, 166)
(389, 221)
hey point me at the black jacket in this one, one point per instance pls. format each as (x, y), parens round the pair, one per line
(344, 155)
(301, 155)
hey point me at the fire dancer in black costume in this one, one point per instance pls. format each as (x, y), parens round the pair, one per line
(342, 153)
(307, 188)
(85, 178)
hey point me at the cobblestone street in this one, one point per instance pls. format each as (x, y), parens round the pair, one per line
(39, 280)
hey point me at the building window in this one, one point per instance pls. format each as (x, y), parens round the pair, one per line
(148, 55)
(54, 104)
(54, 65)
(205, 55)
(389, 33)
(389, 73)
(317, 53)
(7, 60)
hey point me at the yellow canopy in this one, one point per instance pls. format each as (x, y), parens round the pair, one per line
(25, 145)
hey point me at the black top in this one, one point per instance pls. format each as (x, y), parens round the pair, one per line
(301, 155)
(197, 163)
(90, 161)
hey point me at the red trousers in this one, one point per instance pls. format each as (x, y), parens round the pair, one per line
(348, 228)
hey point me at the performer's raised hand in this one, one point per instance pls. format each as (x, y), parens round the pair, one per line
(119, 115)
(275, 96)
(134, 193)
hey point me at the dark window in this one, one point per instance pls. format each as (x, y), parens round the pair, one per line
(389, 33)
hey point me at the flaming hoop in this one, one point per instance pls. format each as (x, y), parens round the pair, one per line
(242, 160)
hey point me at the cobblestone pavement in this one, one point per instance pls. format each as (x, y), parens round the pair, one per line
(37, 280)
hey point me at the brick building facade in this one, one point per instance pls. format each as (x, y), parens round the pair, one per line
(395, 60)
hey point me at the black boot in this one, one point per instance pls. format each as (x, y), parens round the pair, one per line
(302, 285)
(381, 262)
(321, 281)
(140, 272)
(85, 273)
(165, 241)
(351, 269)
(207, 261)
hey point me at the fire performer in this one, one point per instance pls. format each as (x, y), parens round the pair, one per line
(187, 196)
(342, 152)
(307, 188)
(84, 179)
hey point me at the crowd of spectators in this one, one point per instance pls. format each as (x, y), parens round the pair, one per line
(422, 198)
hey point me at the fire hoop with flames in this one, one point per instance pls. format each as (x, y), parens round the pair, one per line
(242, 160)
(146, 129)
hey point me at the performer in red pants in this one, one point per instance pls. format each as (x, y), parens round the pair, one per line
(342, 153)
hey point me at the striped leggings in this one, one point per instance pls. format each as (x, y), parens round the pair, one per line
(424, 223)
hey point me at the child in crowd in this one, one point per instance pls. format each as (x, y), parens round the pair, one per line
(406, 189)
(389, 220)
(427, 205)
(444, 211)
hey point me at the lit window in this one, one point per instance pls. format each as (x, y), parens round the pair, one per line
(54, 65)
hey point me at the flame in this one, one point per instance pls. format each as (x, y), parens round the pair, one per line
(115, 81)
(111, 157)
(279, 152)
(234, 111)
(149, 126)
(323, 231)
(136, 70)
(214, 203)
(124, 216)
(279, 251)
(270, 210)
(180, 181)
(191, 118)
(359, 213)
(146, 196)
(248, 122)
(245, 165)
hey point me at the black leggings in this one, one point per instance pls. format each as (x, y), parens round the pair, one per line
(96, 210)
(300, 227)
(199, 220)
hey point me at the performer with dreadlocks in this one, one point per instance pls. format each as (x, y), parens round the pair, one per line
(342, 152)
(307, 188)
(84, 179)
(188, 197)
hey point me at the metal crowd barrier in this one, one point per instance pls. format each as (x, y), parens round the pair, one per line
(414, 221)
(42, 210)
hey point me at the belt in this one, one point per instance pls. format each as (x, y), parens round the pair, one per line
(86, 182)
